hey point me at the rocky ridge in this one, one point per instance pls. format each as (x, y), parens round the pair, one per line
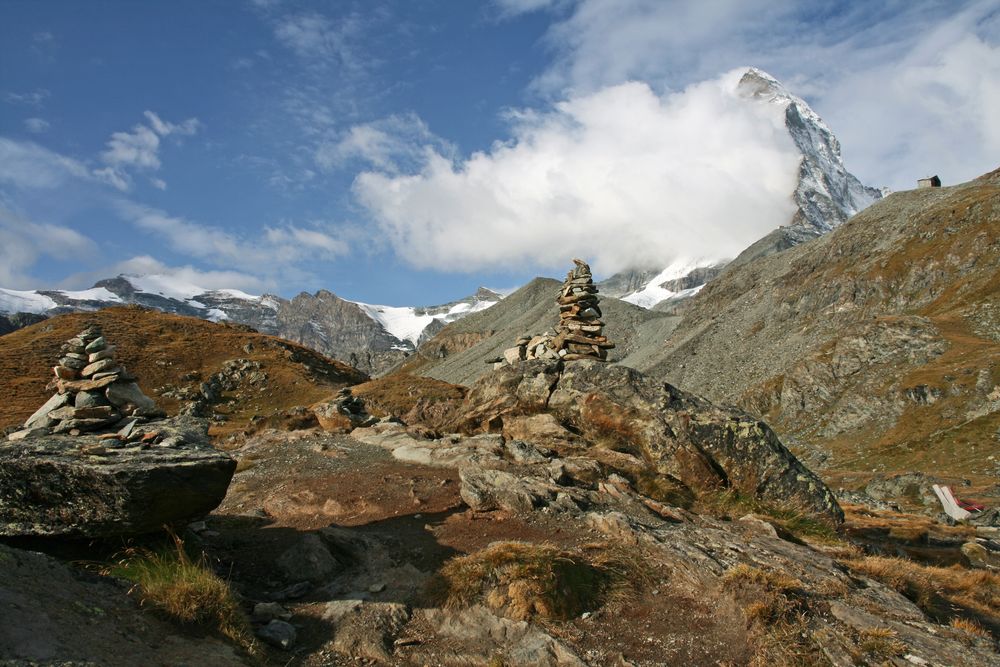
(872, 348)
(369, 337)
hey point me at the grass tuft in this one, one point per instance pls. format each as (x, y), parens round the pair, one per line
(946, 594)
(790, 518)
(776, 609)
(881, 643)
(524, 581)
(185, 590)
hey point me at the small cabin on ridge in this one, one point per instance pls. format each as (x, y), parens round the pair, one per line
(932, 182)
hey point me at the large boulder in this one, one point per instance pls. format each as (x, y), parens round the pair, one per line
(683, 436)
(59, 485)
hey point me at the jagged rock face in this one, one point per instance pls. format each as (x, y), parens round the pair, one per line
(339, 328)
(15, 321)
(85, 487)
(686, 437)
(826, 193)
(884, 332)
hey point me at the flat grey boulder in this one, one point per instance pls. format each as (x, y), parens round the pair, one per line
(59, 485)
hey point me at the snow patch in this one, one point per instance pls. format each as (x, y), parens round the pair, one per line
(14, 301)
(400, 321)
(92, 294)
(653, 294)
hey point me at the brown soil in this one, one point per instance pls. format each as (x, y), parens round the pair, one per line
(164, 351)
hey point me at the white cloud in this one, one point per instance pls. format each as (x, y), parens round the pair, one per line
(276, 249)
(622, 176)
(23, 243)
(36, 125)
(139, 149)
(320, 40)
(388, 144)
(907, 87)
(26, 165)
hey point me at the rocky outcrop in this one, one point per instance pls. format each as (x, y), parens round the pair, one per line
(86, 486)
(874, 346)
(684, 437)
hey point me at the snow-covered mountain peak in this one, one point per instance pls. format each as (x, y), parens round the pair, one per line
(826, 194)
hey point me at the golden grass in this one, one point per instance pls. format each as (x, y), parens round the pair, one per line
(164, 349)
(944, 593)
(525, 581)
(185, 590)
(397, 394)
(790, 518)
(776, 609)
(971, 628)
(881, 643)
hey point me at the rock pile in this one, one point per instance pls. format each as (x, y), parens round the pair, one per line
(580, 332)
(93, 391)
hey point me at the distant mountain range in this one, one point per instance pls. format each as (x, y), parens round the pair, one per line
(369, 337)
(376, 338)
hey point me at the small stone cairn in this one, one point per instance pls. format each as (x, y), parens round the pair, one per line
(93, 391)
(580, 332)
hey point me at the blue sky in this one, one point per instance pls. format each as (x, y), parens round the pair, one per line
(407, 152)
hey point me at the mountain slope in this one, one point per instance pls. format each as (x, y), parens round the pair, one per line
(368, 337)
(174, 358)
(459, 352)
(877, 345)
(825, 195)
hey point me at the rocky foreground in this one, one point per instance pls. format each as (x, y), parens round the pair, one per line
(556, 514)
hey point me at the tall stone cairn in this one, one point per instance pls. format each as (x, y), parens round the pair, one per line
(580, 329)
(580, 332)
(93, 391)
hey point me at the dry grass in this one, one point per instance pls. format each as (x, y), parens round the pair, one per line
(944, 593)
(185, 590)
(789, 518)
(881, 643)
(397, 394)
(162, 349)
(524, 581)
(776, 609)
(971, 628)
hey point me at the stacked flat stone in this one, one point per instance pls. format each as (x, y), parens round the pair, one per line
(580, 332)
(93, 391)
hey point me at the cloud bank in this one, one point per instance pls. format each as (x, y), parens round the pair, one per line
(909, 88)
(621, 176)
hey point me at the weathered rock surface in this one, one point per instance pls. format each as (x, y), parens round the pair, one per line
(85, 487)
(685, 437)
(56, 615)
(875, 346)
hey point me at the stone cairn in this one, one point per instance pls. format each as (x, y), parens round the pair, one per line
(93, 391)
(579, 334)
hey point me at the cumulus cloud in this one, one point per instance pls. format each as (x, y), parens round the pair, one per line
(908, 87)
(139, 149)
(622, 176)
(24, 242)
